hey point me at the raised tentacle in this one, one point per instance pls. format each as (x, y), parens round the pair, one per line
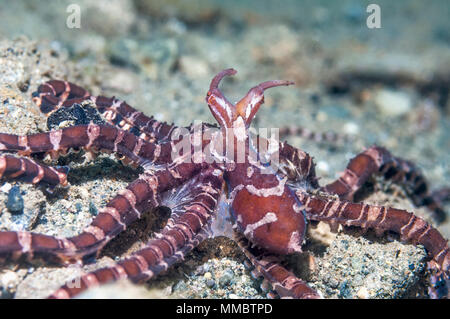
(54, 94)
(185, 232)
(410, 228)
(284, 282)
(225, 112)
(222, 109)
(249, 105)
(377, 160)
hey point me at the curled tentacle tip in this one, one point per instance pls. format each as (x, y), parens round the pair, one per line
(274, 83)
(229, 71)
(216, 80)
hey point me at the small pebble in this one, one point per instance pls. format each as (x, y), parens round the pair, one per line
(351, 128)
(323, 167)
(92, 209)
(6, 187)
(393, 103)
(207, 275)
(322, 116)
(363, 293)
(193, 67)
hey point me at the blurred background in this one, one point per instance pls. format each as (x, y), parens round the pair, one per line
(387, 85)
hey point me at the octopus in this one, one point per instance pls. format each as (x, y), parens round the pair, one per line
(269, 189)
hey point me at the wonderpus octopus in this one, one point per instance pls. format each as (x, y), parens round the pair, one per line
(270, 198)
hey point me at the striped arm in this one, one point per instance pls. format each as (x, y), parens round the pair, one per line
(140, 196)
(410, 228)
(54, 94)
(284, 282)
(170, 246)
(89, 137)
(28, 170)
(377, 160)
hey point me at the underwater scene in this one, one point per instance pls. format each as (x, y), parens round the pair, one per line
(351, 96)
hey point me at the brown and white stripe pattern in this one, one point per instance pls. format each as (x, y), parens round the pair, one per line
(121, 114)
(140, 196)
(14, 245)
(189, 224)
(410, 227)
(54, 94)
(30, 171)
(282, 281)
(377, 160)
(90, 137)
(186, 232)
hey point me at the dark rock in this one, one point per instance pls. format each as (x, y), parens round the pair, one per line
(15, 200)
(210, 283)
(76, 114)
(92, 209)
